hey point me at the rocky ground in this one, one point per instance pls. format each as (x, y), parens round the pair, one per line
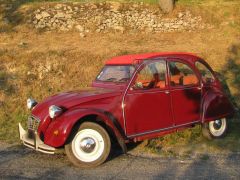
(104, 17)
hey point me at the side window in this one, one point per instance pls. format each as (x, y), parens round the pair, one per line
(206, 74)
(153, 75)
(181, 74)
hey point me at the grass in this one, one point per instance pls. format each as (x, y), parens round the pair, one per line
(190, 142)
(41, 64)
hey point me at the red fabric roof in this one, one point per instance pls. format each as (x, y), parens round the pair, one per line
(129, 59)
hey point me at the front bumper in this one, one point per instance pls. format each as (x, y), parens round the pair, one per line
(35, 142)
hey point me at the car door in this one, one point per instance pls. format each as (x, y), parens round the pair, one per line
(185, 91)
(147, 102)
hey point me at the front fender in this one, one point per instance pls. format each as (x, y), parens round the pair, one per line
(59, 129)
(216, 105)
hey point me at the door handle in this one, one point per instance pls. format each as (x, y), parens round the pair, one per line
(167, 92)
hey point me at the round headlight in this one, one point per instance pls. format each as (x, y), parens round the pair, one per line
(54, 111)
(31, 103)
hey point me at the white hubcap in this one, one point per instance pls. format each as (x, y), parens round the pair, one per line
(88, 145)
(217, 127)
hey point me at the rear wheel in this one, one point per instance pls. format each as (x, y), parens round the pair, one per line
(215, 129)
(89, 147)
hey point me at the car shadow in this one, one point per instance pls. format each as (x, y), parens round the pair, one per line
(116, 150)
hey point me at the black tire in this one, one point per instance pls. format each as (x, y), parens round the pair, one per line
(166, 5)
(215, 129)
(76, 155)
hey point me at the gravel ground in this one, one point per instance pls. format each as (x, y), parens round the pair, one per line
(18, 162)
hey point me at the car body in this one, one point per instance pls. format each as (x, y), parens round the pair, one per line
(134, 97)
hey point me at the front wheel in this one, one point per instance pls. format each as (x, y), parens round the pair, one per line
(215, 129)
(89, 147)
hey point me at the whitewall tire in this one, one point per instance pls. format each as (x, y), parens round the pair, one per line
(215, 129)
(89, 147)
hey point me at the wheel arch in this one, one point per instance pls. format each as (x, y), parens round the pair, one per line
(71, 121)
(99, 119)
(94, 118)
(215, 105)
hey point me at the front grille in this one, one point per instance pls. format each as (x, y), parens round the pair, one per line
(33, 123)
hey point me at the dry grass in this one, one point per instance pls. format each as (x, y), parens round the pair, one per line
(39, 64)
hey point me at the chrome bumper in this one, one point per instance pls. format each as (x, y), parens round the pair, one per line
(34, 143)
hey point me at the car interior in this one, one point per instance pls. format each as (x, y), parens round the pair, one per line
(153, 75)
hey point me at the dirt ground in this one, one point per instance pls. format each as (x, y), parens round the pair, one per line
(17, 162)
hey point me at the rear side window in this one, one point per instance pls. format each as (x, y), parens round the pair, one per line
(181, 74)
(204, 71)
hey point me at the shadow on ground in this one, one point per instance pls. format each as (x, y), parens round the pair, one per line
(190, 141)
(204, 167)
(17, 162)
(11, 16)
(231, 72)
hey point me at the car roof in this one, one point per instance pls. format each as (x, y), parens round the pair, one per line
(132, 58)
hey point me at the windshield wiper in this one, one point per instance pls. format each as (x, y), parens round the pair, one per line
(111, 79)
(123, 80)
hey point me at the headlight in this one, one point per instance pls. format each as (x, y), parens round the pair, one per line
(55, 111)
(31, 103)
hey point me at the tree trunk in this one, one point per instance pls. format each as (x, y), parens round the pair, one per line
(166, 5)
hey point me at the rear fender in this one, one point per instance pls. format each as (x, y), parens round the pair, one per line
(60, 129)
(216, 105)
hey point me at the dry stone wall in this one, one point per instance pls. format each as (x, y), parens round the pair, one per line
(105, 17)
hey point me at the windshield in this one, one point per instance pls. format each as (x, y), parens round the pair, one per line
(116, 73)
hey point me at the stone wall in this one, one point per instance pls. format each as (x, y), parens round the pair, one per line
(105, 17)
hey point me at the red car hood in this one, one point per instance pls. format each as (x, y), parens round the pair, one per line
(71, 99)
